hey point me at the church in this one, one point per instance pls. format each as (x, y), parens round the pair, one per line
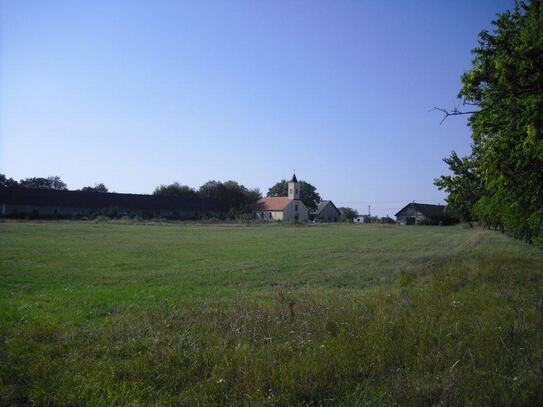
(283, 208)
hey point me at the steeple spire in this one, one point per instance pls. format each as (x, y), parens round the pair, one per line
(294, 188)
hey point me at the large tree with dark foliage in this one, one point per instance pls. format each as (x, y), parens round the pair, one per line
(464, 187)
(7, 182)
(175, 189)
(348, 214)
(96, 188)
(308, 193)
(236, 197)
(505, 89)
(44, 183)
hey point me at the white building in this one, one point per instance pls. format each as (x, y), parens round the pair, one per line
(361, 219)
(283, 207)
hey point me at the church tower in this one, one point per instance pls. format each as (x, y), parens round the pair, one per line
(293, 188)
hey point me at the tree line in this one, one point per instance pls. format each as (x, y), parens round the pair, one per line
(237, 198)
(500, 183)
(54, 182)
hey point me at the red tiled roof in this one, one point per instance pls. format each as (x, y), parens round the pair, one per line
(272, 204)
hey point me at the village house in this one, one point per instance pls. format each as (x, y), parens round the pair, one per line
(326, 212)
(362, 219)
(415, 212)
(284, 208)
(49, 203)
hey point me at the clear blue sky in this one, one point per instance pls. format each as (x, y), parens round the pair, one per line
(139, 93)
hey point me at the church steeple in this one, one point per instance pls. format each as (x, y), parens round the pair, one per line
(294, 188)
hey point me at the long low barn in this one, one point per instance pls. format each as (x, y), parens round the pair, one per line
(415, 212)
(48, 203)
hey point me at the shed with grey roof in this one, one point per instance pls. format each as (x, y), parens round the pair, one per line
(326, 212)
(415, 212)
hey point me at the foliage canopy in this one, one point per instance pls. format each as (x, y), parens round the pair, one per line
(308, 193)
(236, 197)
(175, 189)
(96, 188)
(7, 182)
(44, 183)
(348, 214)
(501, 182)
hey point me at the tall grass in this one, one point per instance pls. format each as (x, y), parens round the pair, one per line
(459, 333)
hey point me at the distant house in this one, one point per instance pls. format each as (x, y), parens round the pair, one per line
(361, 219)
(414, 212)
(282, 207)
(326, 212)
(49, 203)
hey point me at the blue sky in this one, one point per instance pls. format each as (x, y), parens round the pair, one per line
(140, 93)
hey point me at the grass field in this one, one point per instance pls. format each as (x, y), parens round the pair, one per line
(172, 314)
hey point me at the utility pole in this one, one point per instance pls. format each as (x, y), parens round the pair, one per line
(369, 211)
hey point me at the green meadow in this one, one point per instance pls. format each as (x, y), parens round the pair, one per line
(96, 314)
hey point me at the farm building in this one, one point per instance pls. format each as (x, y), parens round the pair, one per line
(362, 219)
(49, 203)
(282, 207)
(414, 212)
(326, 212)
